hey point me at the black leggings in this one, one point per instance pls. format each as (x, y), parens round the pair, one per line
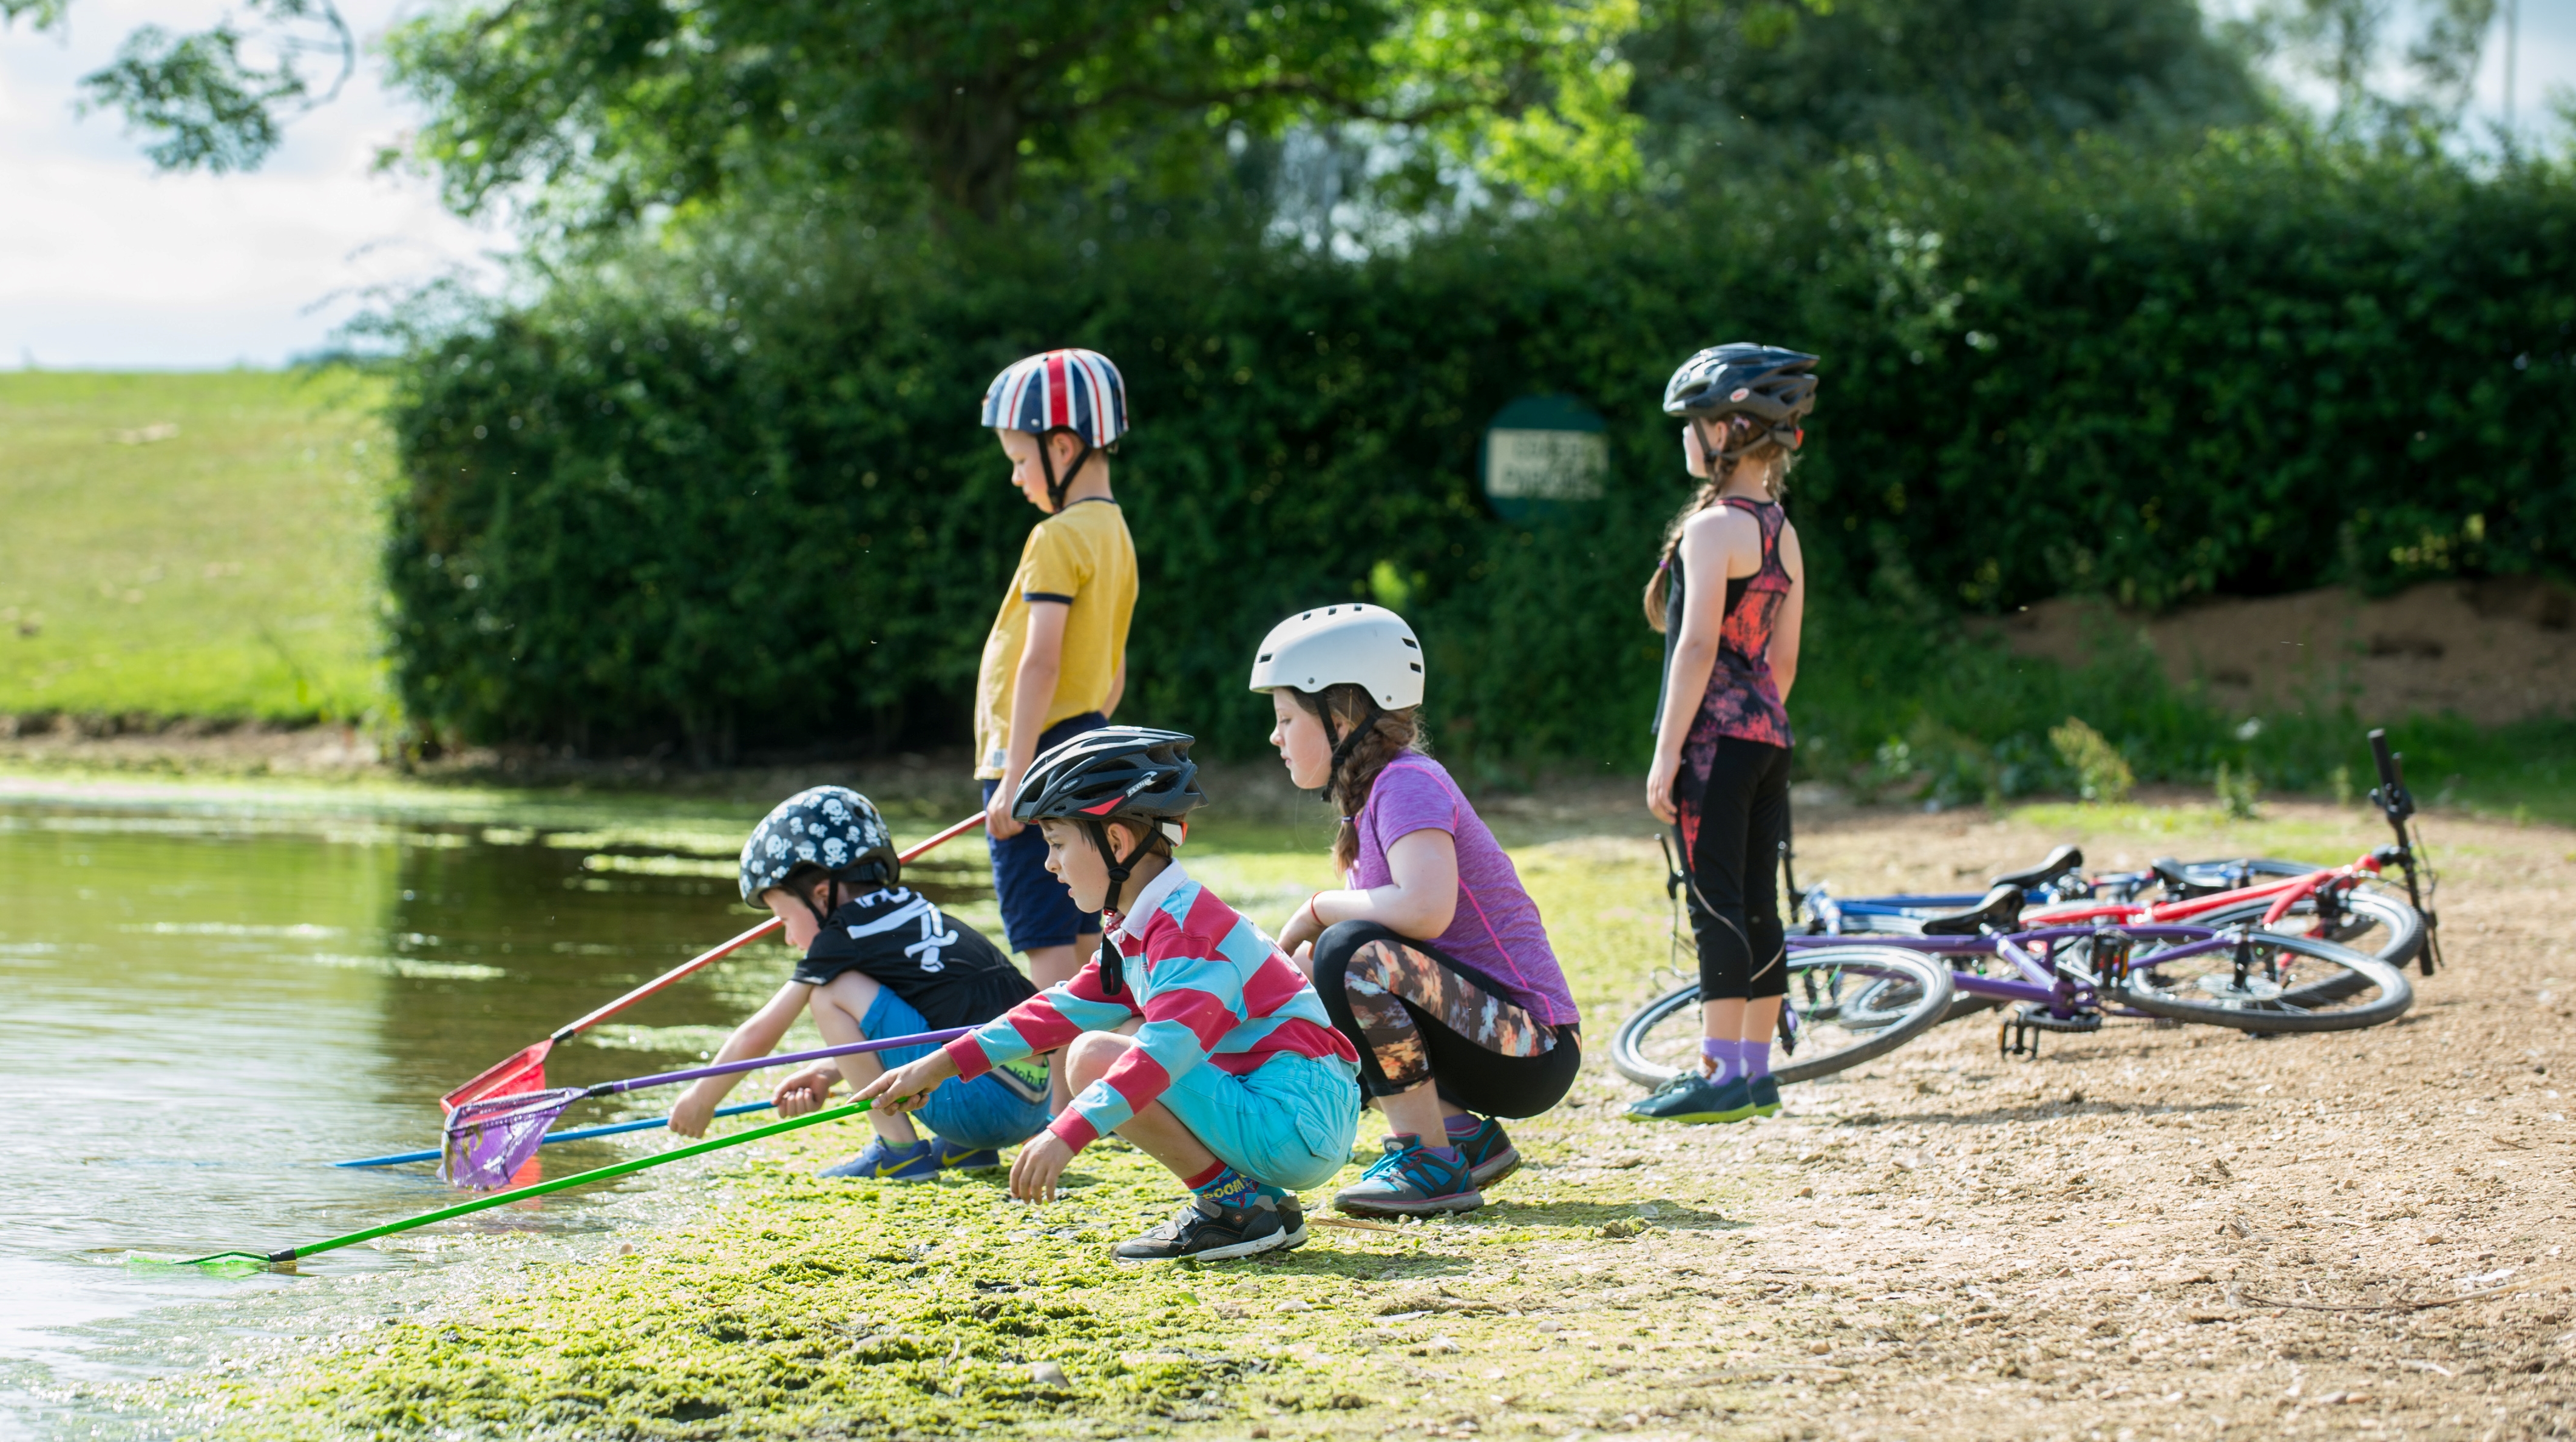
(1417, 1015)
(1733, 870)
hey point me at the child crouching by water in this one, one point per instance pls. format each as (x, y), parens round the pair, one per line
(879, 961)
(1235, 1080)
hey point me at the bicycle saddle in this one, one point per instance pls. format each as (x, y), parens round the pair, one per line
(2061, 861)
(2000, 909)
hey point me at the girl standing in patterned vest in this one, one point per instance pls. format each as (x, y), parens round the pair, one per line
(1729, 596)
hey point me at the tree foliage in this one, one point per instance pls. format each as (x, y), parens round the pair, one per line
(621, 104)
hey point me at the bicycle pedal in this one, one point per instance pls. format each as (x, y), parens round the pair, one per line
(2037, 1018)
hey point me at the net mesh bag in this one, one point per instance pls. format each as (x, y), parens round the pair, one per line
(487, 1141)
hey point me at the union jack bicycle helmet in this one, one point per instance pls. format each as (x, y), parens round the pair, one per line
(1077, 391)
(1772, 387)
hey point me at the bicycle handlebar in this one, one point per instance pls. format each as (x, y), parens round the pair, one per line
(2392, 796)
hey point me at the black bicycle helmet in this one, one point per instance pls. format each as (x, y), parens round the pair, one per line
(1774, 387)
(832, 827)
(1116, 773)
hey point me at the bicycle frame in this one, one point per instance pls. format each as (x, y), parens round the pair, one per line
(2044, 982)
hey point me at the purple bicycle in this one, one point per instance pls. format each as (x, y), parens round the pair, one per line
(2065, 979)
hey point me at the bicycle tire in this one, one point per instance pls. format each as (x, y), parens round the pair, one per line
(1816, 974)
(2403, 924)
(2163, 989)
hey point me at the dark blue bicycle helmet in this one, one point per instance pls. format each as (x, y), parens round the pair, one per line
(1133, 774)
(1773, 387)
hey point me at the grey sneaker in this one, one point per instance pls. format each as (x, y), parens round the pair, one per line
(1490, 1154)
(1410, 1180)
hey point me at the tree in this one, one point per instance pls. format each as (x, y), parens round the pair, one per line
(1800, 79)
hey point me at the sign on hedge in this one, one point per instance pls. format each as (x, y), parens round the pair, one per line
(1542, 455)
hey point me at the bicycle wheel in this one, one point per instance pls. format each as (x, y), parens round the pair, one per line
(1907, 995)
(2269, 982)
(2371, 922)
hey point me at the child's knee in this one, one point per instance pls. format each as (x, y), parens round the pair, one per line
(1091, 1055)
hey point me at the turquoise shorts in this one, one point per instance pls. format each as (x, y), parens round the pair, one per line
(1288, 1123)
(981, 1113)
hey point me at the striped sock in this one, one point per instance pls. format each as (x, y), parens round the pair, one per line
(1464, 1127)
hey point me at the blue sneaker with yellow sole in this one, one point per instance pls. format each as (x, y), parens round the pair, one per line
(1766, 1096)
(953, 1157)
(1692, 1097)
(883, 1162)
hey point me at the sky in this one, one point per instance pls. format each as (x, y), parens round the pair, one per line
(106, 264)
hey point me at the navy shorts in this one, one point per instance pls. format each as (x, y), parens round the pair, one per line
(1037, 910)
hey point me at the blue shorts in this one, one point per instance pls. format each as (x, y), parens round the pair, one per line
(981, 1113)
(1289, 1123)
(1037, 910)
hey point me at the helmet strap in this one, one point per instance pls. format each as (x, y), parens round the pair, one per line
(832, 893)
(1046, 462)
(1112, 963)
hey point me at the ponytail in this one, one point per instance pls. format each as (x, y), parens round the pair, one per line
(1770, 453)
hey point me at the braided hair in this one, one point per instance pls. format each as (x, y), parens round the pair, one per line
(1365, 738)
(1722, 465)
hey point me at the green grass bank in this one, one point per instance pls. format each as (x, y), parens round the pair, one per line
(190, 545)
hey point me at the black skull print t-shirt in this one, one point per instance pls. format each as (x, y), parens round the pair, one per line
(941, 968)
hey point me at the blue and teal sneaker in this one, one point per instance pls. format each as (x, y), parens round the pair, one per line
(1766, 1096)
(1410, 1180)
(883, 1163)
(954, 1158)
(1489, 1152)
(1690, 1097)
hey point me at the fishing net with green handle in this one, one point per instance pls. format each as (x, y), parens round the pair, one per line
(229, 1261)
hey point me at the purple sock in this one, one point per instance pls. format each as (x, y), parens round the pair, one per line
(1753, 1059)
(1720, 1056)
(1461, 1127)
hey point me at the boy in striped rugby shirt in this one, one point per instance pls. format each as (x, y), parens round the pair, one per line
(1235, 1079)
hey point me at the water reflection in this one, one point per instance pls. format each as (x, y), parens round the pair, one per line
(198, 1014)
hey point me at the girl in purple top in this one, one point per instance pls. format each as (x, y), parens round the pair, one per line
(1729, 598)
(1433, 961)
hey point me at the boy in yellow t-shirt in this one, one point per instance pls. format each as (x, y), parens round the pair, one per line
(1056, 662)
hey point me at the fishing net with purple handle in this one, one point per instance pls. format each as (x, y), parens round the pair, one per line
(488, 1140)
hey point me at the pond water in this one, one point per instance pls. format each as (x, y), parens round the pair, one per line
(202, 1006)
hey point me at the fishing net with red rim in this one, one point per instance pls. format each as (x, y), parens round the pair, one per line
(488, 1141)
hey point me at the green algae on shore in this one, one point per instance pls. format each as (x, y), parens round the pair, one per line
(796, 1307)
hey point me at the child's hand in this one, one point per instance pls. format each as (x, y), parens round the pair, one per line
(805, 1091)
(906, 1087)
(691, 1113)
(999, 823)
(1033, 1173)
(1659, 786)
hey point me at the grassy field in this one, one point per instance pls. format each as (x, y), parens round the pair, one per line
(189, 545)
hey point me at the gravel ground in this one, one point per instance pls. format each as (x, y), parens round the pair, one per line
(2144, 1233)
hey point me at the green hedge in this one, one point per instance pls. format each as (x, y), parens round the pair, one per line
(748, 506)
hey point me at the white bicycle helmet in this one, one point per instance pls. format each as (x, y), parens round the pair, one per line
(1361, 645)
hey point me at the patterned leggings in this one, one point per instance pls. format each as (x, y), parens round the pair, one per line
(1415, 1016)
